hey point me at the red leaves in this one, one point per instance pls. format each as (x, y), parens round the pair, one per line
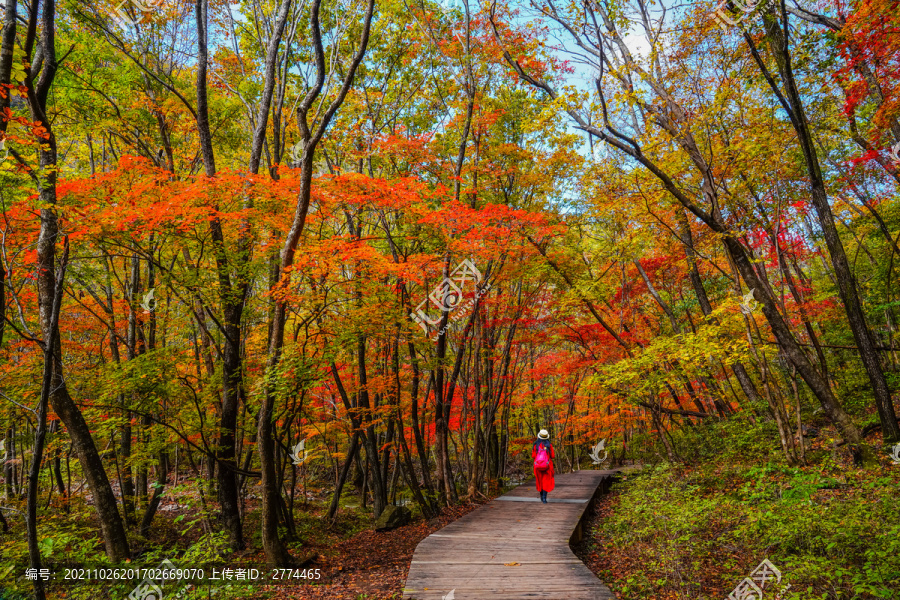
(40, 131)
(870, 155)
(869, 43)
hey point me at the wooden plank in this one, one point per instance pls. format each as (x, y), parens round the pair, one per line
(512, 548)
(554, 500)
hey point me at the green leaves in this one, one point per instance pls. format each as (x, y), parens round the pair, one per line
(846, 542)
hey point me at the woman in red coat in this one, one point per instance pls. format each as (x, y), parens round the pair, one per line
(543, 473)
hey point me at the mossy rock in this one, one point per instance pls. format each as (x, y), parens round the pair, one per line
(393, 517)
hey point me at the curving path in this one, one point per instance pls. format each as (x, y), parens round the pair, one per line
(512, 548)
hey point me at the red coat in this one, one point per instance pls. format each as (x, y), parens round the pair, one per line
(544, 479)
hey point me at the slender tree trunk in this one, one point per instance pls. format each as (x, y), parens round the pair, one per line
(231, 381)
(8, 470)
(276, 553)
(7, 47)
(410, 474)
(57, 468)
(111, 525)
(379, 492)
(414, 417)
(52, 347)
(124, 460)
(342, 478)
(233, 296)
(158, 489)
(800, 443)
(687, 239)
(791, 348)
(792, 103)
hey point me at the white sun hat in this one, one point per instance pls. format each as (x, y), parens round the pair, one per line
(543, 434)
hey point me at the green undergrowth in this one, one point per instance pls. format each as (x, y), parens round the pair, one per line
(696, 532)
(188, 539)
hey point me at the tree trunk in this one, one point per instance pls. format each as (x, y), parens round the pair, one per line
(124, 461)
(687, 239)
(414, 417)
(233, 297)
(791, 348)
(276, 553)
(111, 526)
(342, 478)
(158, 489)
(779, 44)
(52, 347)
(379, 492)
(7, 47)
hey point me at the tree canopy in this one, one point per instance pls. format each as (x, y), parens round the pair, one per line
(255, 249)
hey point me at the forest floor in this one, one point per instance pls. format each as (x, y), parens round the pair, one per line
(689, 530)
(599, 552)
(831, 529)
(372, 564)
(354, 561)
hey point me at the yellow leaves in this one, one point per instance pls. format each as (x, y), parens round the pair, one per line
(686, 354)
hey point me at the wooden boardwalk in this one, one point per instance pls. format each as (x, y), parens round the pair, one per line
(512, 548)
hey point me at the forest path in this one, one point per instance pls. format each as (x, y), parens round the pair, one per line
(513, 547)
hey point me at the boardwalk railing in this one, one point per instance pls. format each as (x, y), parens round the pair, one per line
(514, 547)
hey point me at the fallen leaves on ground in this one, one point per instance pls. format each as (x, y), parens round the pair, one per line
(372, 564)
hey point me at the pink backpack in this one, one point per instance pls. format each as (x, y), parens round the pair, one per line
(542, 460)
